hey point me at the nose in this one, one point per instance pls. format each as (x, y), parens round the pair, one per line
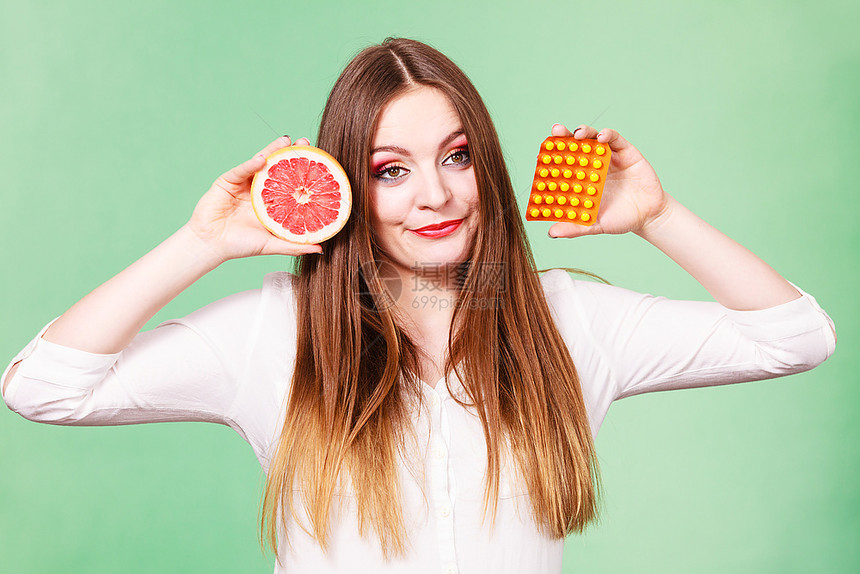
(434, 192)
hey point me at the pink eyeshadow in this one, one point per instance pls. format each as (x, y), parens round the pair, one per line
(460, 141)
(378, 163)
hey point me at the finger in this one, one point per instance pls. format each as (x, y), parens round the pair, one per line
(583, 132)
(614, 139)
(282, 141)
(303, 141)
(559, 131)
(242, 172)
(283, 247)
(571, 230)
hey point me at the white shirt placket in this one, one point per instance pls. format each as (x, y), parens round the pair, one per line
(441, 487)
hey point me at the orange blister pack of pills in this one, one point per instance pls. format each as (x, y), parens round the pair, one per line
(568, 180)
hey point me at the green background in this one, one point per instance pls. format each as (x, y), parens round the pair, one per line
(116, 117)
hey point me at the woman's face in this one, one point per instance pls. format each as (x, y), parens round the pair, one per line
(421, 175)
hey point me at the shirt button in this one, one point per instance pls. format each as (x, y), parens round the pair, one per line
(434, 399)
(438, 452)
(451, 570)
(445, 511)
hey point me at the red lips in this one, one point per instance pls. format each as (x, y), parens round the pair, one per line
(437, 226)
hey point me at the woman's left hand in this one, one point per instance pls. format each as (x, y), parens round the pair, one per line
(632, 196)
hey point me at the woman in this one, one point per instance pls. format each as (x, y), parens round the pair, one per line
(399, 435)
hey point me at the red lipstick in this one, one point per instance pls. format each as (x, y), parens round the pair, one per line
(438, 229)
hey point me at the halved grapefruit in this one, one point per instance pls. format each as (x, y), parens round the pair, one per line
(302, 194)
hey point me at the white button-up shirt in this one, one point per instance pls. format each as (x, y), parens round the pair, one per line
(231, 363)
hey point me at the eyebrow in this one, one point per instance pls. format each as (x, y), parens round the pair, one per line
(402, 151)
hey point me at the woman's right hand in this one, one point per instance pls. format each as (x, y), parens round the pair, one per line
(224, 217)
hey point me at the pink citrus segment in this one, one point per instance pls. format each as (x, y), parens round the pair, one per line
(302, 195)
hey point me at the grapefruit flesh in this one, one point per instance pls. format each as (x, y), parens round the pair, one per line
(302, 194)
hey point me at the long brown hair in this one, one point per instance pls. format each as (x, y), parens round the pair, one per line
(356, 370)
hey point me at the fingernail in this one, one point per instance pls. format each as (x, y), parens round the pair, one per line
(576, 130)
(286, 137)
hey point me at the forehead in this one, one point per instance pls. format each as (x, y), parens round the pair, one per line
(423, 115)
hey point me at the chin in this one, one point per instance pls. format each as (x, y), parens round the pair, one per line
(452, 254)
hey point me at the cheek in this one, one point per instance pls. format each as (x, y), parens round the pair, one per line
(472, 200)
(469, 187)
(387, 219)
(390, 209)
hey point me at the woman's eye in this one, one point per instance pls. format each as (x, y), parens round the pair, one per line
(459, 156)
(390, 173)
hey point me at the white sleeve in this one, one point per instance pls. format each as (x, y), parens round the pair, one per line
(645, 343)
(182, 370)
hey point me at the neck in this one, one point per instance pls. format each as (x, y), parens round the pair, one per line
(426, 298)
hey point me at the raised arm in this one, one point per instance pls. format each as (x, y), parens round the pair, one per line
(223, 226)
(634, 201)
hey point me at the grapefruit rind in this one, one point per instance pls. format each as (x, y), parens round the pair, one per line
(337, 172)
